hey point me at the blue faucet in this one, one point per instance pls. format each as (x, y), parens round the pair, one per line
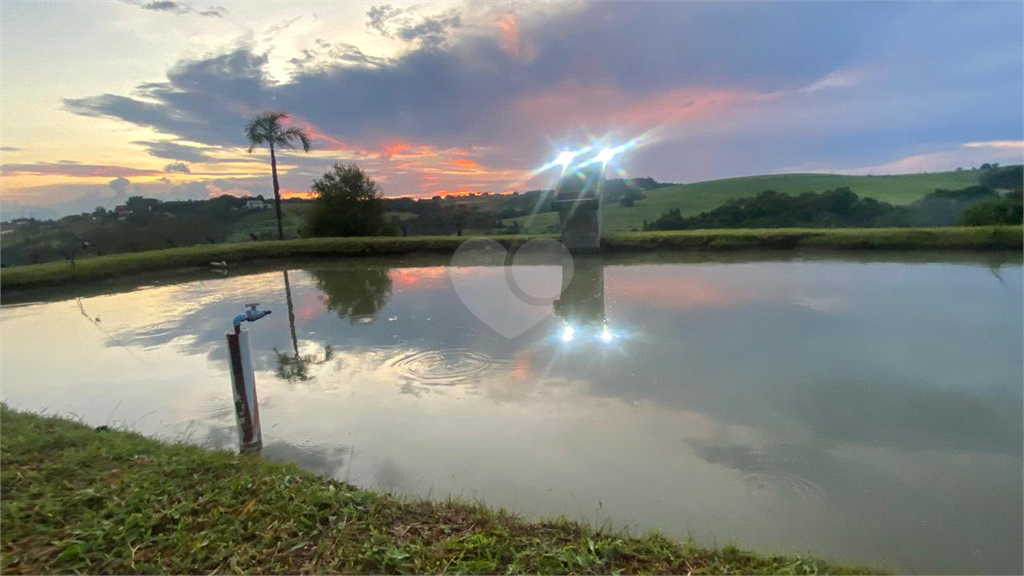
(250, 315)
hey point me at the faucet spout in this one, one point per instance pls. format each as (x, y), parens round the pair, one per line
(251, 315)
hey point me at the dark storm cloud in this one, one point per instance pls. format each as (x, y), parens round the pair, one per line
(167, 6)
(470, 90)
(378, 17)
(179, 167)
(214, 12)
(201, 101)
(275, 29)
(175, 151)
(181, 8)
(68, 168)
(429, 31)
(326, 54)
(119, 185)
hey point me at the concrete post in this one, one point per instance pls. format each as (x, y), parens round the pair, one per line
(243, 386)
(243, 381)
(580, 205)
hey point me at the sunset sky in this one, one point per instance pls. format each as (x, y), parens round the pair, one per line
(101, 100)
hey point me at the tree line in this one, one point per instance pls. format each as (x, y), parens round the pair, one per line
(841, 208)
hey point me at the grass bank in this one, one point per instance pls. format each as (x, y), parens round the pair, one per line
(946, 238)
(78, 500)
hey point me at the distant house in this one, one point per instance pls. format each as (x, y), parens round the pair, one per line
(256, 204)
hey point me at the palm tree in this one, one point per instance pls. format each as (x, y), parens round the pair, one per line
(266, 129)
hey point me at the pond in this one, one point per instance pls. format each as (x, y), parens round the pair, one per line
(860, 409)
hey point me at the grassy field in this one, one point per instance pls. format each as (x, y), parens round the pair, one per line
(692, 199)
(263, 222)
(74, 499)
(120, 265)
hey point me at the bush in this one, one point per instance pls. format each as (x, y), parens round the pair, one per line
(1006, 210)
(839, 208)
(1007, 177)
(348, 203)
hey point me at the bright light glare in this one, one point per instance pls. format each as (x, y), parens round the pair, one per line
(606, 335)
(606, 154)
(565, 157)
(568, 334)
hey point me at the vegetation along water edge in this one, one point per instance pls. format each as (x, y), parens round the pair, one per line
(980, 238)
(76, 499)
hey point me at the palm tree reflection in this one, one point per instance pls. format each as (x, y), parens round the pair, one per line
(354, 293)
(295, 367)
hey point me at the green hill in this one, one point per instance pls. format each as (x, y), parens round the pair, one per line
(692, 199)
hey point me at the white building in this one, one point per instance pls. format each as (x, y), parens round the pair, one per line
(256, 205)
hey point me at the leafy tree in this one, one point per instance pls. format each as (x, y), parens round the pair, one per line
(267, 129)
(348, 203)
(942, 207)
(1006, 210)
(671, 220)
(1007, 177)
(832, 208)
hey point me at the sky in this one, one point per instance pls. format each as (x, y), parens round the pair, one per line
(102, 100)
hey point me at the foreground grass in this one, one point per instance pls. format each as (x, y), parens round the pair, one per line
(78, 500)
(945, 238)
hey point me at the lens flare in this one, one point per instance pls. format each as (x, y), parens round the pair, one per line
(606, 335)
(607, 154)
(565, 157)
(567, 334)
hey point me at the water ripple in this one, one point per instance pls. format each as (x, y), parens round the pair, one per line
(444, 367)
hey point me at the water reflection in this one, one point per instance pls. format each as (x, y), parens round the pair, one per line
(355, 293)
(867, 411)
(295, 367)
(582, 300)
(328, 461)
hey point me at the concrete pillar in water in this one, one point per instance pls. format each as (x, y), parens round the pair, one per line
(243, 387)
(580, 205)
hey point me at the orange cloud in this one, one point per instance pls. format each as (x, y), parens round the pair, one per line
(215, 191)
(511, 39)
(315, 133)
(467, 163)
(401, 149)
(508, 33)
(395, 149)
(297, 194)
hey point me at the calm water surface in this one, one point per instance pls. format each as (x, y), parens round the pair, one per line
(861, 411)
